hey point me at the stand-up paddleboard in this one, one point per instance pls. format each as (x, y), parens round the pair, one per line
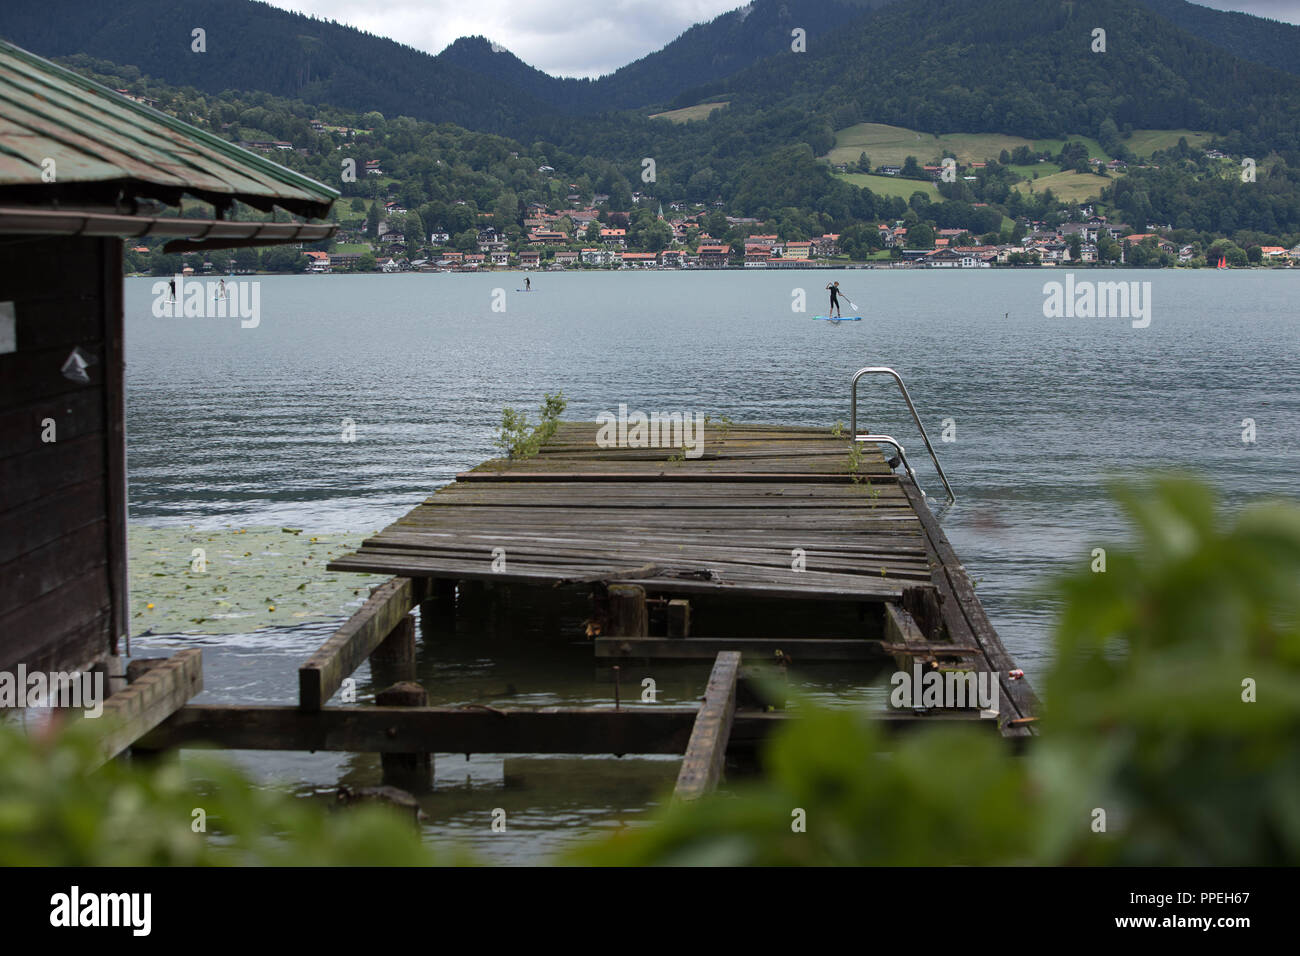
(837, 318)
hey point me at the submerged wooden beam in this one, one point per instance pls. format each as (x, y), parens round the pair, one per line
(706, 754)
(477, 729)
(321, 676)
(653, 729)
(762, 649)
(149, 700)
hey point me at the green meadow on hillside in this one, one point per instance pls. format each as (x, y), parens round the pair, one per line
(687, 113)
(893, 185)
(1069, 186)
(886, 144)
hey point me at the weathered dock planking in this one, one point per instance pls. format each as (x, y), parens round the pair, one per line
(777, 544)
(765, 514)
(731, 521)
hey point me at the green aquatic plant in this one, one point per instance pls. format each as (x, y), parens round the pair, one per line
(855, 460)
(517, 438)
(236, 580)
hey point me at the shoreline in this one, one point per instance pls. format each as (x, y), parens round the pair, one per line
(850, 267)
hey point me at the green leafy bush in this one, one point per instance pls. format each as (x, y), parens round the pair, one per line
(518, 439)
(57, 811)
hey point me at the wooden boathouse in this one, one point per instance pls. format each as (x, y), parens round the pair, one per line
(82, 167)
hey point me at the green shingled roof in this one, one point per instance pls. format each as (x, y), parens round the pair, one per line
(106, 148)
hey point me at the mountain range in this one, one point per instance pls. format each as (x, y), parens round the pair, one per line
(1036, 70)
(254, 46)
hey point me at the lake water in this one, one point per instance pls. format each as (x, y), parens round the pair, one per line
(241, 427)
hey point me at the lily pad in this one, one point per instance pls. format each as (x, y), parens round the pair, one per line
(233, 592)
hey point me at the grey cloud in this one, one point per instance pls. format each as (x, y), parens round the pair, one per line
(561, 37)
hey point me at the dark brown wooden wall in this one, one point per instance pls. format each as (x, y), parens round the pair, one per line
(62, 504)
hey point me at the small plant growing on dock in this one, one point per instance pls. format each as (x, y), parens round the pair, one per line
(837, 430)
(855, 460)
(517, 438)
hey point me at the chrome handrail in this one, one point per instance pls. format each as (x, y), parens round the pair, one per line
(902, 455)
(853, 424)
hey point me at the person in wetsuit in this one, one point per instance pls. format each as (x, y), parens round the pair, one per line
(834, 288)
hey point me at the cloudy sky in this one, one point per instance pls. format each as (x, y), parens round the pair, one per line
(577, 37)
(562, 37)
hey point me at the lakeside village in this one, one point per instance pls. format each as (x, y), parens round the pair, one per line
(378, 238)
(588, 238)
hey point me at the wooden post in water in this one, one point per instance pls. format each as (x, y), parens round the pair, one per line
(498, 595)
(438, 610)
(627, 611)
(407, 771)
(394, 659)
(679, 618)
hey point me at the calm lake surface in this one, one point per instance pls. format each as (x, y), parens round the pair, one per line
(241, 427)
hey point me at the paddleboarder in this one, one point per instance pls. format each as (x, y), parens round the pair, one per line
(528, 284)
(834, 288)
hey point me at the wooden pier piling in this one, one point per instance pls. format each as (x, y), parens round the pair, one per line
(407, 771)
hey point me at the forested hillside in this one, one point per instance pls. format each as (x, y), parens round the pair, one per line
(1026, 67)
(253, 46)
(1022, 67)
(1254, 38)
(703, 54)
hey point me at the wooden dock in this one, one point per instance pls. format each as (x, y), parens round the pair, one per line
(776, 545)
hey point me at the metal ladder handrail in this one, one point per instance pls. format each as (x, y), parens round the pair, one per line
(853, 424)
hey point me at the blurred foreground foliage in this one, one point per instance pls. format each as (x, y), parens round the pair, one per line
(55, 811)
(1145, 720)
